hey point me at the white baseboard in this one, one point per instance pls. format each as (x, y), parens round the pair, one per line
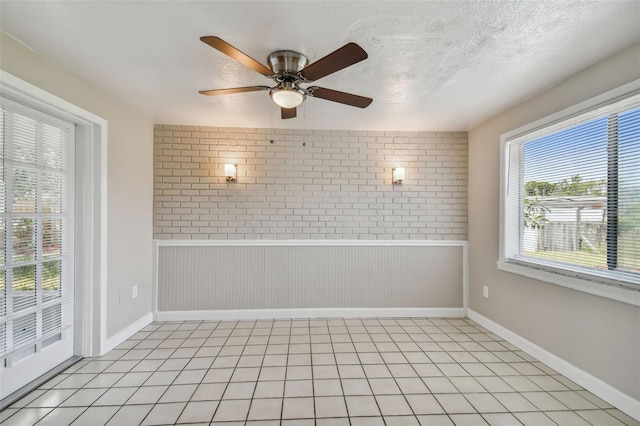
(252, 314)
(126, 332)
(613, 396)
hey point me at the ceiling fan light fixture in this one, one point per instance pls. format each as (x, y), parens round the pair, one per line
(289, 70)
(287, 97)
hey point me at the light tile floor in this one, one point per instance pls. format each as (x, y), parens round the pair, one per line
(369, 371)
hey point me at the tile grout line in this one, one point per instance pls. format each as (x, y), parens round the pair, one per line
(259, 371)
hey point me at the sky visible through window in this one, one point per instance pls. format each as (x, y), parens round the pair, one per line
(582, 150)
(579, 150)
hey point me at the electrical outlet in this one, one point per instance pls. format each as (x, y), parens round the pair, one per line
(485, 291)
(134, 291)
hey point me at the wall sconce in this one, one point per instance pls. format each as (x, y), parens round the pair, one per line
(397, 175)
(230, 172)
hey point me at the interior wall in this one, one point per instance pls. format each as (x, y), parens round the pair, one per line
(309, 184)
(596, 334)
(130, 181)
(295, 276)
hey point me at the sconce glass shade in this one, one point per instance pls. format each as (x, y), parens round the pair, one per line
(287, 98)
(398, 175)
(230, 172)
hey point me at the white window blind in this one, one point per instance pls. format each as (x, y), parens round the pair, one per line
(36, 236)
(572, 202)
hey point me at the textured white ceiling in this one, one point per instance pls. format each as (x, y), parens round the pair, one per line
(433, 65)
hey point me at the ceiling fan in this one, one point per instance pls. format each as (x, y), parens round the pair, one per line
(289, 69)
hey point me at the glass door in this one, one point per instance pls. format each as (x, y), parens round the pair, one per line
(36, 244)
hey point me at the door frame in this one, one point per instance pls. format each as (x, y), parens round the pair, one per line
(90, 310)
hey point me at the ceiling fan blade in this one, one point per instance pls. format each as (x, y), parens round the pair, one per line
(287, 113)
(246, 60)
(340, 97)
(347, 55)
(234, 90)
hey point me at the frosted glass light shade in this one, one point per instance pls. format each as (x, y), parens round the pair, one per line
(398, 175)
(287, 98)
(230, 172)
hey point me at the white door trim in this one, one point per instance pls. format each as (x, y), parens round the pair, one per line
(91, 209)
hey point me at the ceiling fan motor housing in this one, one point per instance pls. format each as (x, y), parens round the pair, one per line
(287, 62)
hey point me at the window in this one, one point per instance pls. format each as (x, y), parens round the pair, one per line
(571, 201)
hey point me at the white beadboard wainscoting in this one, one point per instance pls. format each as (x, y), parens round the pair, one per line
(242, 279)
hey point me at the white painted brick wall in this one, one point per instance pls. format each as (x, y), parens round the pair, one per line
(308, 184)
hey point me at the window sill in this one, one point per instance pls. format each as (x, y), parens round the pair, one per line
(620, 294)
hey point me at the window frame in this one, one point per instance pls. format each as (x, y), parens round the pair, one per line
(577, 278)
